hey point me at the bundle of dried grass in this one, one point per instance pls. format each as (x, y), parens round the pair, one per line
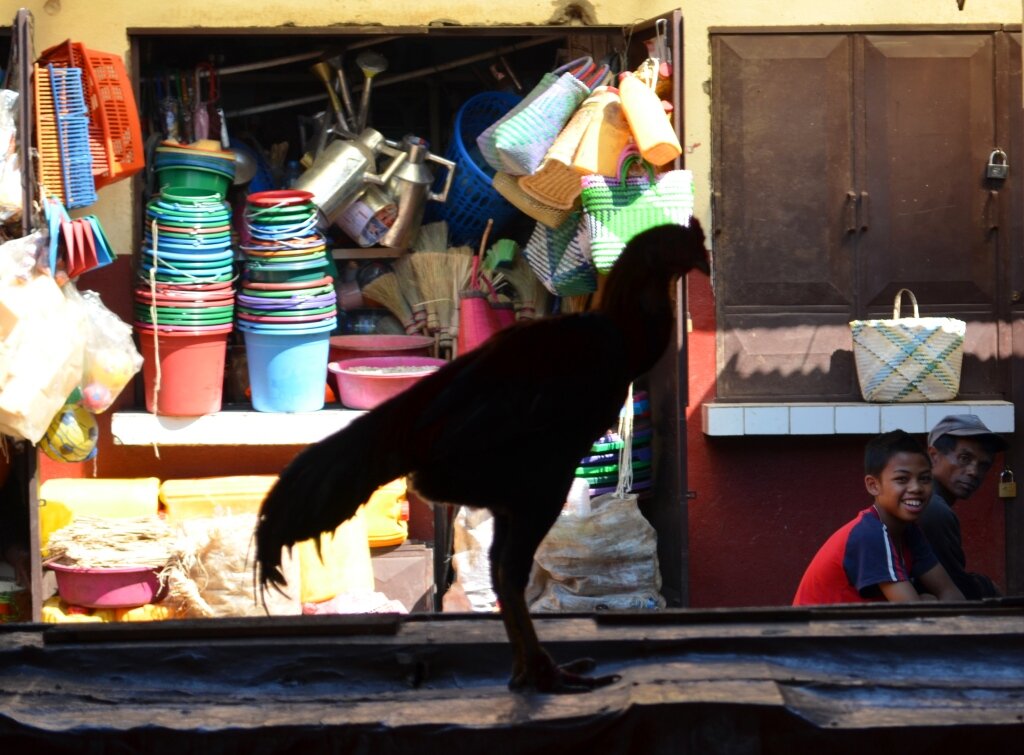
(216, 578)
(432, 237)
(531, 298)
(410, 290)
(386, 290)
(574, 304)
(440, 276)
(94, 542)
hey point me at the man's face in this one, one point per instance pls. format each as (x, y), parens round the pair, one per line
(962, 470)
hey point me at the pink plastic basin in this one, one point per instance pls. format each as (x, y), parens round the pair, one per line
(365, 390)
(107, 588)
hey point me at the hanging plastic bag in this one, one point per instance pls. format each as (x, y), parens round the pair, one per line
(486, 140)
(42, 342)
(110, 357)
(522, 140)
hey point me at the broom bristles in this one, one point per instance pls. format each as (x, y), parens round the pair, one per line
(440, 276)
(432, 237)
(531, 296)
(410, 290)
(385, 290)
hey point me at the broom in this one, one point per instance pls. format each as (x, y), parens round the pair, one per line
(530, 294)
(385, 290)
(438, 276)
(432, 237)
(410, 290)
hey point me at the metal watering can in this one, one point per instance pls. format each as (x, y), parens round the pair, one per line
(343, 170)
(409, 185)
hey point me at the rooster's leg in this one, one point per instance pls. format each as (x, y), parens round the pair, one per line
(515, 542)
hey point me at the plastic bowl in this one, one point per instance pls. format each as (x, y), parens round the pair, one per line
(365, 390)
(107, 588)
(181, 177)
(356, 346)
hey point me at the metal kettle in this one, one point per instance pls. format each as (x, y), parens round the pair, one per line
(410, 185)
(343, 170)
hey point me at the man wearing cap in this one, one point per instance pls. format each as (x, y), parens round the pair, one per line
(962, 450)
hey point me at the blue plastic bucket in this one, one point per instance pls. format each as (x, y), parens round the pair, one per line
(287, 370)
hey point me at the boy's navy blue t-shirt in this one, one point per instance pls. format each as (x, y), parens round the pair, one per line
(859, 557)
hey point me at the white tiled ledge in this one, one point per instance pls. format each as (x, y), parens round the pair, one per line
(228, 428)
(853, 418)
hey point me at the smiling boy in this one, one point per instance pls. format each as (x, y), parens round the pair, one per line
(873, 557)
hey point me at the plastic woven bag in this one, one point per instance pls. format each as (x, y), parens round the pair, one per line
(523, 139)
(560, 257)
(908, 358)
(556, 182)
(485, 141)
(617, 209)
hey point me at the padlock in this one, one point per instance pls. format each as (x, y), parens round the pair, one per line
(1007, 485)
(997, 167)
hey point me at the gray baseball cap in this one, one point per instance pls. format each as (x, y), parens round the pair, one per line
(964, 426)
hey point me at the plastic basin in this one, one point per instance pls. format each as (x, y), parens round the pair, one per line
(358, 389)
(107, 588)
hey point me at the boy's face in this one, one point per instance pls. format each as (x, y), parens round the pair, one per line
(903, 488)
(962, 470)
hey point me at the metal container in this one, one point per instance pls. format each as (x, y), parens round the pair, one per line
(410, 186)
(368, 217)
(344, 169)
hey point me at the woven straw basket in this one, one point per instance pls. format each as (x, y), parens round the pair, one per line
(908, 358)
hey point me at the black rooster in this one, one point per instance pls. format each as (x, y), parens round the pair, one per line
(502, 427)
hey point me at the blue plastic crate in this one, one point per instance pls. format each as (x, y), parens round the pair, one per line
(472, 199)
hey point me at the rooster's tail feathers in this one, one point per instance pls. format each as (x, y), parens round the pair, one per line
(322, 487)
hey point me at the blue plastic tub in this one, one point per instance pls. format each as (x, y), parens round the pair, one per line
(287, 369)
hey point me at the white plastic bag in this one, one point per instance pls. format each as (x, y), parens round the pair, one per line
(110, 358)
(604, 560)
(41, 343)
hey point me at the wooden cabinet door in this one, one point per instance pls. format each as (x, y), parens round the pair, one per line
(784, 207)
(929, 217)
(846, 167)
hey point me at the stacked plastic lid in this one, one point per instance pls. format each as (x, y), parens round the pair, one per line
(600, 468)
(186, 266)
(286, 286)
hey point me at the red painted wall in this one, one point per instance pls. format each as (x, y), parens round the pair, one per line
(763, 506)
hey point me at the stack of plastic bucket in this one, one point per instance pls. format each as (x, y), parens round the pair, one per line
(287, 306)
(192, 167)
(184, 301)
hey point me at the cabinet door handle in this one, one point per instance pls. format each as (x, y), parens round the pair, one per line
(865, 210)
(992, 211)
(851, 212)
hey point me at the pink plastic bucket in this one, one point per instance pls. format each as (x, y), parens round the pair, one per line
(191, 370)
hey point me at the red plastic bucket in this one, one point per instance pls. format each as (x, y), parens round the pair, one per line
(191, 370)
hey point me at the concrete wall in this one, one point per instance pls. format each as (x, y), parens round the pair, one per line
(104, 25)
(762, 506)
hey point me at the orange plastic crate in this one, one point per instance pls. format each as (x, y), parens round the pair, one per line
(115, 133)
